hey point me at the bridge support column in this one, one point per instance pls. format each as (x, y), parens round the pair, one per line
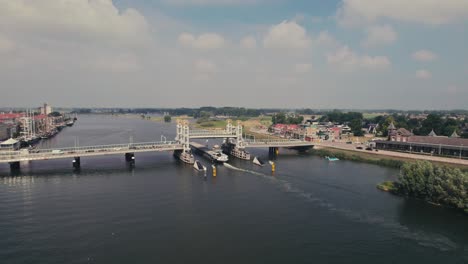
(130, 158)
(15, 166)
(273, 151)
(76, 162)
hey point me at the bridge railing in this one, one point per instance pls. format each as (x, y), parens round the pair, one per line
(42, 153)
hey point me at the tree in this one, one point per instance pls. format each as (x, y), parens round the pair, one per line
(356, 127)
(167, 118)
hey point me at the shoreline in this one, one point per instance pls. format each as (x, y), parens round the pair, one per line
(391, 155)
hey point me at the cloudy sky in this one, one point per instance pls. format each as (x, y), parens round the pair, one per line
(252, 53)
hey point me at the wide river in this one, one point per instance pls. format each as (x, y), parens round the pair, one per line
(162, 211)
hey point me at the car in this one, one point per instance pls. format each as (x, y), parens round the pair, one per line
(358, 147)
(369, 148)
(349, 142)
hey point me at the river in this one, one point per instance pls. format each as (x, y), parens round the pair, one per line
(162, 211)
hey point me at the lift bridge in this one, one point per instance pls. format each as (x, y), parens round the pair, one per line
(184, 135)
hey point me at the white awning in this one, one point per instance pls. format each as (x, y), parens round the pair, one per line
(8, 142)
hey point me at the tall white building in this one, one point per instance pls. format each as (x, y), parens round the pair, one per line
(46, 109)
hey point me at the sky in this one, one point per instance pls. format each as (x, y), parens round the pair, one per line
(320, 54)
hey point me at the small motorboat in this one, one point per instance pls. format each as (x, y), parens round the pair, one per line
(258, 162)
(331, 158)
(198, 166)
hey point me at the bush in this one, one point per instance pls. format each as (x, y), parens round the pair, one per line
(435, 184)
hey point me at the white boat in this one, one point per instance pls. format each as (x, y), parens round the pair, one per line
(258, 162)
(198, 166)
(331, 158)
(185, 156)
(218, 156)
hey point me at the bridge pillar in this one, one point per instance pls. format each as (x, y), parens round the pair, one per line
(273, 151)
(130, 158)
(76, 162)
(15, 166)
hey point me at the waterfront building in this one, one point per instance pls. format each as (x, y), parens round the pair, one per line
(10, 144)
(404, 141)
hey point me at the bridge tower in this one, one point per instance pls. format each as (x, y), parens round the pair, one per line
(239, 138)
(185, 140)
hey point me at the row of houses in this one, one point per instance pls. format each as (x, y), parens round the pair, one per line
(313, 131)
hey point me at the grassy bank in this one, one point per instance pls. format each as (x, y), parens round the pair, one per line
(388, 161)
(388, 186)
(359, 157)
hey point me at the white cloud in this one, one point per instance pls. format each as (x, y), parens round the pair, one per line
(211, 2)
(204, 41)
(287, 35)
(346, 59)
(248, 42)
(77, 20)
(117, 64)
(326, 39)
(379, 35)
(434, 12)
(423, 74)
(424, 55)
(303, 68)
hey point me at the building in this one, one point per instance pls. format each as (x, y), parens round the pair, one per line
(404, 141)
(10, 144)
(46, 109)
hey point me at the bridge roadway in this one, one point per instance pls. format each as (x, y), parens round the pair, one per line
(90, 151)
(197, 134)
(277, 143)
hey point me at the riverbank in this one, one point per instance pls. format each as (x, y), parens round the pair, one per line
(387, 156)
(374, 158)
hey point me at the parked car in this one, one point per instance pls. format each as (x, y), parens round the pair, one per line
(369, 148)
(349, 142)
(358, 147)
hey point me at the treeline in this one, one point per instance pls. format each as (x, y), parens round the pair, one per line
(194, 112)
(435, 184)
(442, 125)
(283, 118)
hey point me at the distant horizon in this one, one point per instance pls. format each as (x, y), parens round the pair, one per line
(2, 108)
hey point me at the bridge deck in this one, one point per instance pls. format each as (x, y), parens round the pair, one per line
(277, 143)
(62, 153)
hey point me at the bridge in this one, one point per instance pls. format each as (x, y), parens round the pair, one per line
(233, 136)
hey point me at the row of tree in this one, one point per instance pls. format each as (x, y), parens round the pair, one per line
(435, 184)
(283, 118)
(442, 125)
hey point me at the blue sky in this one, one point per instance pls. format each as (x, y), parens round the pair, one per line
(253, 53)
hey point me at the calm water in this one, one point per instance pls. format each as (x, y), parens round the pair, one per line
(311, 211)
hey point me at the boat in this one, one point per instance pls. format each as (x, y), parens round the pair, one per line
(198, 166)
(214, 155)
(70, 123)
(258, 162)
(331, 158)
(185, 156)
(229, 147)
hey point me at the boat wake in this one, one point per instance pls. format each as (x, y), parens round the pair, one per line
(433, 240)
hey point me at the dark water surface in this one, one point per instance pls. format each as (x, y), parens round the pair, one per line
(162, 211)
